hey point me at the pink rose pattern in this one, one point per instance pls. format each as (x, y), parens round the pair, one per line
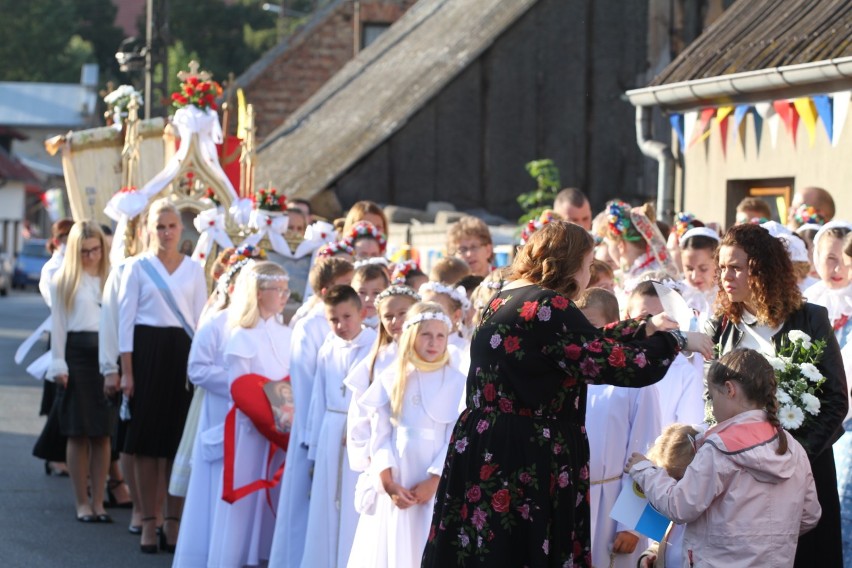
(501, 492)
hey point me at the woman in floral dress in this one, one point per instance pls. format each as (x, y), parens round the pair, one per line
(759, 304)
(514, 489)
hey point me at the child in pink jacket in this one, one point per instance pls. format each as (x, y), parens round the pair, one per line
(748, 493)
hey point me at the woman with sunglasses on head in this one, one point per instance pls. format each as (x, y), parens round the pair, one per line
(85, 416)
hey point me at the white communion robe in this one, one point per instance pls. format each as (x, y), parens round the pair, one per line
(359, 431)
(291, 524)
(242, 531)
(414, 449)
(619, 421)
(331, 516)
(206, 370)
(681, 391)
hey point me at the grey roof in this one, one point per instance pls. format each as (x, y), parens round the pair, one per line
(760, 34)
(376, 93)
(46, 105)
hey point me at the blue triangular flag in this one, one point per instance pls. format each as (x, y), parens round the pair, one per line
(824, 110)
(739, 114)
(676, 121)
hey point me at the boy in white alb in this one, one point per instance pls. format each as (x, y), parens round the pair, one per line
(618, 422)
(332, 517)
(309, 333)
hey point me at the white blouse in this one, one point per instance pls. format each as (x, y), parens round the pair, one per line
(142, 303)
(85, 315)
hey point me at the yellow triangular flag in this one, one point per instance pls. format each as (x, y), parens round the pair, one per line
(241, 114)
(807, 112)
(722, 113)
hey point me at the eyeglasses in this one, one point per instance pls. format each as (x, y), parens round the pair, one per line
(462, 251)
(282, 292)
(90, 252)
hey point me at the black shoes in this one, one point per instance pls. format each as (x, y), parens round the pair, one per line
(148, 548)
(87, 518)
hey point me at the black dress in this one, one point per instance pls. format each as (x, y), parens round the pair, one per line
(514, 489)
(84, 411)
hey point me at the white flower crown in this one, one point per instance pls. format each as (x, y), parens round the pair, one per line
(426, 316)
(266, 277)
(396, 290)
(379, 260)
(458, 294)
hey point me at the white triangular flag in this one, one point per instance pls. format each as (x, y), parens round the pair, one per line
(689, 120)
(841, 110)
(773, 120)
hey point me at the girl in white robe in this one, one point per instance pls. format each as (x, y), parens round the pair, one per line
(455, 304)
(392, 306)
(260, 344)
(416, 405)
(207, 370)
(331, 516)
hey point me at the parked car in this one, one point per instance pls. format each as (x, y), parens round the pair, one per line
(6, 272)
(31, 259)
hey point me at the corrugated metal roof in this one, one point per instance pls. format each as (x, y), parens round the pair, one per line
(761, 34)
(45, 105)
(376, 93)
(10, 168)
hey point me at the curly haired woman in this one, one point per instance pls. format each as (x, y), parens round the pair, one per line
(759, 303)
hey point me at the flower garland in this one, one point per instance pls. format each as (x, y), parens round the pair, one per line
(268, 199)
(402, 269)
(684, 221)
(197, 91)
(808, 214)
(365, 229)
(534, 225)
(396, 290)
(334, 248)
(237, 262)
(618, 220)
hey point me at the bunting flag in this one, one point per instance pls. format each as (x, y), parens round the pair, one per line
(839, 112)
(805, 108)
(722, 114)
(787, 112)
(690, 118)
(767, 113)
(739, 114)
(703, 130)
(823, 108)
(676, 121)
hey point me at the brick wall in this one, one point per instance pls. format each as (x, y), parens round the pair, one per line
(313, 57)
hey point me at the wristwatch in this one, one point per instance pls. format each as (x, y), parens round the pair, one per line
(680, 338)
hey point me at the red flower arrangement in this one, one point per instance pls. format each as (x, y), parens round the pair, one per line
(268, 199)
(130, 189)
(211, 195)
(198, 92)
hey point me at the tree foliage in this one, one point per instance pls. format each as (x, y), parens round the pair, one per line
(546, 175)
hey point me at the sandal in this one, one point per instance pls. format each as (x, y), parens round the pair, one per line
(111, 501)
(164, 541)
(148, 548)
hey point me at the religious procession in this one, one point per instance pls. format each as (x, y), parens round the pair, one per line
(277, 351)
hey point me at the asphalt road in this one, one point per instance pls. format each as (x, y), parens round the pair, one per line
(37, 518)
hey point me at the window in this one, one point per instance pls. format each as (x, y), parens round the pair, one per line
(777, 192)
(370, 32)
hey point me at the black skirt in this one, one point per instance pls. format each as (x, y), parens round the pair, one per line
(84, 411)
(161, 394)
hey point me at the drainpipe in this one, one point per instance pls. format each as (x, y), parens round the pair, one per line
(662, 153)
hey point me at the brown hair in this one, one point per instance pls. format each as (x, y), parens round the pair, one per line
(674, 449)
(326, 271)
(821, 201)
(59, 229)
(220, 265)
(771, 278)
(553, 256)
(340, 293)
(603, 300)
(367, 272)
(600, 270)
(755, 204)
(449, 270)
(751, 370)
(468, 227)
(360, 210)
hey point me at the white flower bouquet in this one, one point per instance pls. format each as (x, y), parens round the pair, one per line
(119, 99)
(799, 380)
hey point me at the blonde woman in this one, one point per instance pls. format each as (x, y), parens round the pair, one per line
(85, 416)
(416, 402)
(161, 298)
(260, 344)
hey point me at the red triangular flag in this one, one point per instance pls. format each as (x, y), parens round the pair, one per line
(789, 116)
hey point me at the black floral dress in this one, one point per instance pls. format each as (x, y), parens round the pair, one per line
(514, 490)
